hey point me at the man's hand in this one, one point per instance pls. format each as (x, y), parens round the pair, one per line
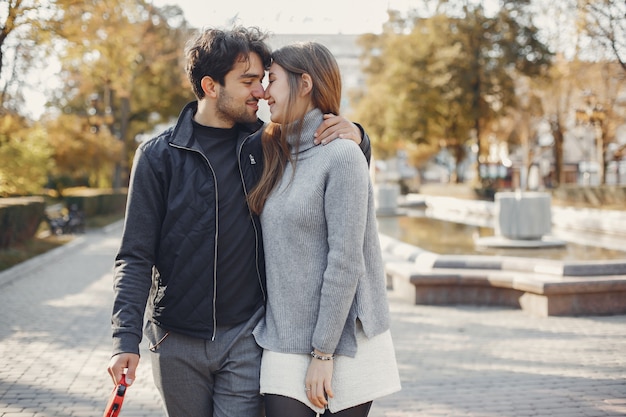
(118, 363)
(334, 127)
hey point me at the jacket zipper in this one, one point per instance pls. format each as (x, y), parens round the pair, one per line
(214, 301)
(256, 231)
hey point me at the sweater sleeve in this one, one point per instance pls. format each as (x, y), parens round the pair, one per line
(365, 145)
(136, 256)
(345, 207)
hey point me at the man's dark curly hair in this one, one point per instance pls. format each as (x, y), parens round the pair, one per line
(214, 52)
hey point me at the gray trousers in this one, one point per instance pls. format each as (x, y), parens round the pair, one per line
(204, 378)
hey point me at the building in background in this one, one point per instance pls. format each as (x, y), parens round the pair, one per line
(346, 52)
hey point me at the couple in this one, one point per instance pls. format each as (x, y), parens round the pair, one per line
(315, 337)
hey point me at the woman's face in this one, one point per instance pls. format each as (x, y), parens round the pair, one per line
(277, 93)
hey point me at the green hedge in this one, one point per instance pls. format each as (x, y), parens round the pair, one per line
(19, 219)
(96, 202)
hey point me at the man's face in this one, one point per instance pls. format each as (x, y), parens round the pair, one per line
(238, 98)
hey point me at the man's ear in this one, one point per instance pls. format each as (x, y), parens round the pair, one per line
(209, 86)
(306, 84)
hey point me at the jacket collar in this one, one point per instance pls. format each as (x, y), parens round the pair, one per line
(183, 131)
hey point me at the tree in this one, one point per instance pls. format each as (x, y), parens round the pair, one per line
(24, 155)
(83, 152)
(605, 22)
(409, 101)
(19, 20)
(450, 76)
(125, 53)
(499, 50)
(556, 91)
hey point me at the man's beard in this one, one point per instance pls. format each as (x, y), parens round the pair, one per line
(228, 110)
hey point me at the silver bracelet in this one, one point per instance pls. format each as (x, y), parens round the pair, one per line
(322, 358)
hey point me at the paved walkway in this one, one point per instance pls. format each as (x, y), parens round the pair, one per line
(458, 362)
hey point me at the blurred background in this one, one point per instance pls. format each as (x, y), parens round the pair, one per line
(482, 96)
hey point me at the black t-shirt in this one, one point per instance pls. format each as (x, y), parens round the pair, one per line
(238, 292)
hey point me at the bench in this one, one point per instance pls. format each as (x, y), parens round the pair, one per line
(64, 221)
(539, 287)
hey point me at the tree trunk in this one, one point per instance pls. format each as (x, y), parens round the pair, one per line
(121, 168)
(599, 132)
(557, 134)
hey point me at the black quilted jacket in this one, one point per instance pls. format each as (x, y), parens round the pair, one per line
(170, 218)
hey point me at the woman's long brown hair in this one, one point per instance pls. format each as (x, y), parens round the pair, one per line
(302, 58)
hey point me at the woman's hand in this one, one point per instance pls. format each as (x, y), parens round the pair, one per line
(318, 381)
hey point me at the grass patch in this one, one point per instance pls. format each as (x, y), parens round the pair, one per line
(45, 242)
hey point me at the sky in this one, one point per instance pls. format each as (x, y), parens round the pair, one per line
(292, 16)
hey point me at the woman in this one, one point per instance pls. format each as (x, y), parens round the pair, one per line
(325, 335)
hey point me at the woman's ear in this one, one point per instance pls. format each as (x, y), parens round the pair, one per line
(306, 85)
(209, 86)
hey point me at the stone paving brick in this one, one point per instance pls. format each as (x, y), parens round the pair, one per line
(469, 361)
(454, 361)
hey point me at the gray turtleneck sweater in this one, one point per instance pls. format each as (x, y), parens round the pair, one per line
(322, 254)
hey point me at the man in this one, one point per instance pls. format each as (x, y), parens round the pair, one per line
(191, 249)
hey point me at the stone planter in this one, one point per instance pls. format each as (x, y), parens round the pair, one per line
(522, 215)
(387, 199)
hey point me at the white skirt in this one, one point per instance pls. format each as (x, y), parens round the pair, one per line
(371, 374)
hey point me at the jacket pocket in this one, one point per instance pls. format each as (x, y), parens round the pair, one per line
(155, 335)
